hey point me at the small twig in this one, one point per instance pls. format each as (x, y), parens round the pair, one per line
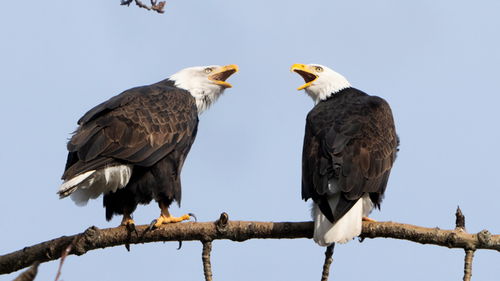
(155, 6)
(142, 5)
(205, 256)
(64, 254)
(328, 262)
(469, 255)
(460, 220)
(126, 2)
(30, 274)
(158, 7)
(63, 257)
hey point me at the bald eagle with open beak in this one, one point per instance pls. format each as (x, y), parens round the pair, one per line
(350, 144)
(131, 148)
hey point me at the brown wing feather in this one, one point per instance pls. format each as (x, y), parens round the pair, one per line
(350, 139)
(140, 126)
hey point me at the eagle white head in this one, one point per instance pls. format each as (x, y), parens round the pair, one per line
(321, 81)
(205, 83)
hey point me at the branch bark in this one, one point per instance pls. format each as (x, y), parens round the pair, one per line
(95, 238)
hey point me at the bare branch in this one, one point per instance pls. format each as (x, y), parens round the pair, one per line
(469, 255)
(205, 256)
(94, 238)
(328, 262)
(155, 5)
(435, 236)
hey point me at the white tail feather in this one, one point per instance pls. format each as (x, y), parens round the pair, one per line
(69, 186)
(346, 228)
(92, 184)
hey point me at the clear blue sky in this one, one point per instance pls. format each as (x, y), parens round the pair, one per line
(436, 63)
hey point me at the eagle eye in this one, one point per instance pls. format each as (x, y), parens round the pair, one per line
(318, 69)
(208, 70)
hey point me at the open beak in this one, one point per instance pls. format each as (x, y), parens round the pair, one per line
(306, 72)
(220, 75)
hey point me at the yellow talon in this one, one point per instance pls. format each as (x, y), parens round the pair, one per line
(368, 219)
(169, 219)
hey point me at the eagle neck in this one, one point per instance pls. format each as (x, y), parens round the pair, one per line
(204, 98)
(204, 95)
(326, 90)
(323, 96)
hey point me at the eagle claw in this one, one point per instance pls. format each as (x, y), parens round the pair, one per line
(131, 228)
(152, 225)
(193, 216)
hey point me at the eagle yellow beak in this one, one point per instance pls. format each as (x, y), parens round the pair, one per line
(306, 72)
(221, 74)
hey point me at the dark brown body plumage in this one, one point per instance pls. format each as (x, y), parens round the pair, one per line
(350, 139)
(151, 128)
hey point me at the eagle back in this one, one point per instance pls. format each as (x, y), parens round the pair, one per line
(349, 147)
(140, 126)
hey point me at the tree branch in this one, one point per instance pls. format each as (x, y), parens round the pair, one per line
(95, 238)
(327, 263)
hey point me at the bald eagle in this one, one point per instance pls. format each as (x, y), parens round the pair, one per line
(350, 144)
(131, 148)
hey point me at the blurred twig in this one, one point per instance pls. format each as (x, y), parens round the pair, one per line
(30, 274)
(328, 262)
(64, 254)
(155, 5)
